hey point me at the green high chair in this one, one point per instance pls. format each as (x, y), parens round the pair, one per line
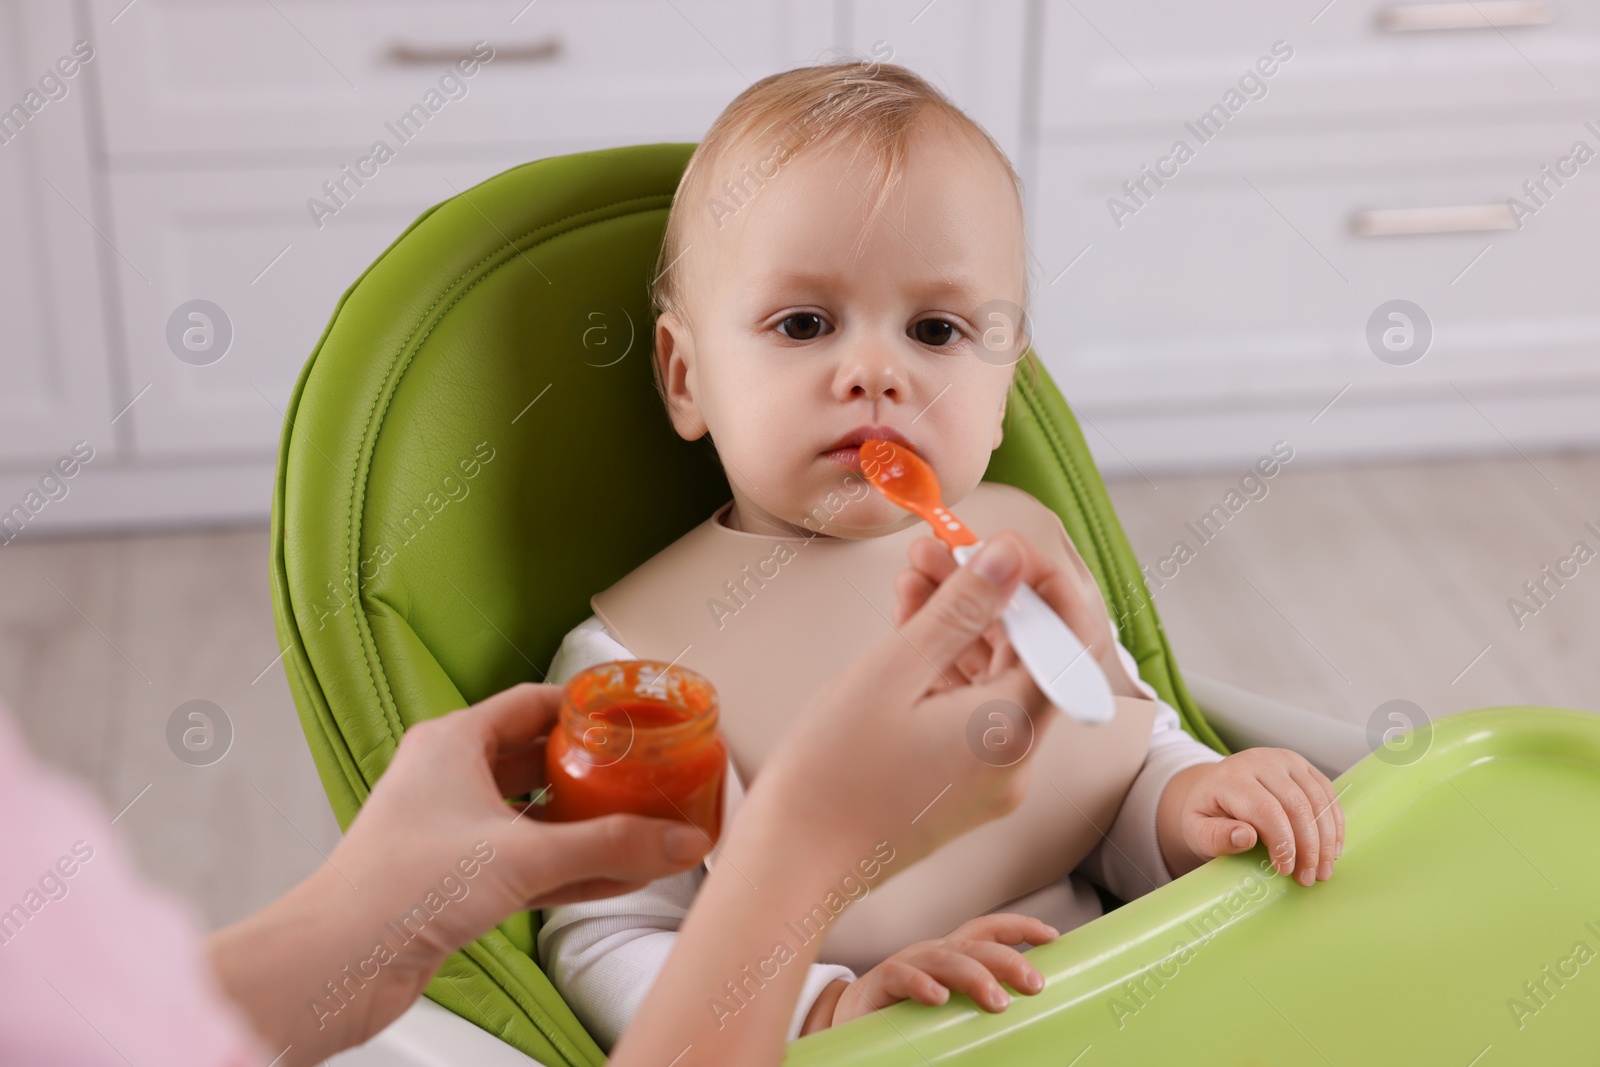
(476, 446)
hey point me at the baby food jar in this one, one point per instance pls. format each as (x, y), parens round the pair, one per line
(640, 737)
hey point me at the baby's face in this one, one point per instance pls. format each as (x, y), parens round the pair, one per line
(815, 318)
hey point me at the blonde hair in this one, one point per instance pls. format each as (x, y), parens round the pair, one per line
(876, 105)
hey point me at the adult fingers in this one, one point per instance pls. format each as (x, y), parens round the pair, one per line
(929, 563)
(512, 727)
(915, 583)
(958, 612)
(932, 557)
(1069, 591)
(973, 662)
(517, 715)
(522, 771)
(1016, 685)
(1001, 652)
(619, 848)
(912, 589)
(979, 660)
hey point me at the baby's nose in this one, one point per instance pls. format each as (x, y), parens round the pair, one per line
(872, 375)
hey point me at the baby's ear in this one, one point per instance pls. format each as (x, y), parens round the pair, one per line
(674, 355)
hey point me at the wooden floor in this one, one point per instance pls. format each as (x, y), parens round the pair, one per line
(1339, 590)
(101, 639)
(1342, 589)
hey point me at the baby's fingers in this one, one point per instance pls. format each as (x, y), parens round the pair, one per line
(1223, 836)
(1256, 805)
(961, 972)
(895, 979)
(1302, 815)
(1005, 963)
(1006, 928)
(1325, 804)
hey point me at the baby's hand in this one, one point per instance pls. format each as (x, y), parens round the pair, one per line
(973, 959)
(1217, 809)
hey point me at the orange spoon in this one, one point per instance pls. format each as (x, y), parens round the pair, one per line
(1046, 646)
(907, 480)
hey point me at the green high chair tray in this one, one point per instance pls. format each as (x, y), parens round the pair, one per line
(476, 446)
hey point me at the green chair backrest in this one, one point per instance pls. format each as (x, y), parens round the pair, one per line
(476, 446)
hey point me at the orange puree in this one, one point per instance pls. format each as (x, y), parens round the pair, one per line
(638, 736)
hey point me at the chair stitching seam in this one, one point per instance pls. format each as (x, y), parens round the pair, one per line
(386, 395)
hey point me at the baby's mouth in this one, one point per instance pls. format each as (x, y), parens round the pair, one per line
(846, 451)
(849, 456)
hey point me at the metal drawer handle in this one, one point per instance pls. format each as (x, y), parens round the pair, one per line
(411, 55)
(1474, 15)
(1415, 221)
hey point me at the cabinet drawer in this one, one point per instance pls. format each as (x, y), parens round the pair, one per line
(1111, 62)
(244, 241)
(1244, 280)
(290, 78)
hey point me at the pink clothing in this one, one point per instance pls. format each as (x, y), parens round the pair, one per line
(96, 966)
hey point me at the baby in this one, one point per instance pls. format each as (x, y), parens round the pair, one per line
(838, 246)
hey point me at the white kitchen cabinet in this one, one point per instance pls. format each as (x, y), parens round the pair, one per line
(275, 81)
(1231, 311)
(1225, 308)
(1243, 278)
(56, 385)
(1205, 290)
(246, 242)
(1112, 64)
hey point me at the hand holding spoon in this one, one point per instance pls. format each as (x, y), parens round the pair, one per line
(1054, 656)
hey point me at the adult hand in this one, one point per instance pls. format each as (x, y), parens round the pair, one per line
(880, 752)
(1065, 584)
(445, 790)
(435, 858)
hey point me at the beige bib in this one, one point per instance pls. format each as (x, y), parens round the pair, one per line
(768, 619)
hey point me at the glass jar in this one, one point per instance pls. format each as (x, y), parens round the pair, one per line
(638, 736)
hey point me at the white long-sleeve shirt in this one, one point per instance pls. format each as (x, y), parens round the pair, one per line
(603, 955)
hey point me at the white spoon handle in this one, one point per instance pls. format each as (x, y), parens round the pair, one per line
(1058, 661)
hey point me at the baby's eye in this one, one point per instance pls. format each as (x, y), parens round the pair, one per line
(935, 332)
(802, 326)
